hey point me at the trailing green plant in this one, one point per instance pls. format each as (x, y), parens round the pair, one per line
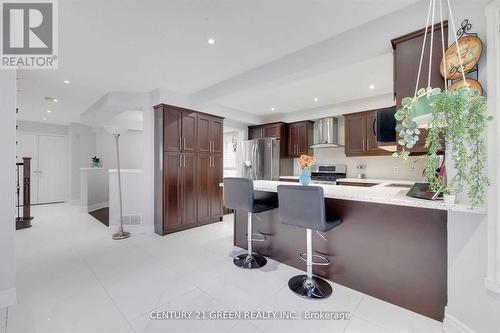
(458, 120)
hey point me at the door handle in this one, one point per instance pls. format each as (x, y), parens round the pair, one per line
(373, 126)
(184, 160)
(180, 143)
(180, 161)
(211, 149)
(184, 142)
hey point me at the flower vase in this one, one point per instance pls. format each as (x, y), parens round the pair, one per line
(305, 177)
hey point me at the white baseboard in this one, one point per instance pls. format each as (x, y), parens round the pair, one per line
(452, 325)
(8, 298)
(91, 208)
(136, 229)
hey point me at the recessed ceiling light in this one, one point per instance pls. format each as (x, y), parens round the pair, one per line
(211, 41)
(44, 119)
(371, 86)
(51, 99)
(272, 109)
(67, 81)
(49, 111)
(316, 99)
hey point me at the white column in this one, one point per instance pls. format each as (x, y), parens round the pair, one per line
(492, 280)
(8, 91)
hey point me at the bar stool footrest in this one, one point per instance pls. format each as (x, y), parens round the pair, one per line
(258, 237)
(325, 261)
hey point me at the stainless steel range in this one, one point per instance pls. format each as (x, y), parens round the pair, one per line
(328, 174)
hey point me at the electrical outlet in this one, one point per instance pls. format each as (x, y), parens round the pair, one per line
(395, 170)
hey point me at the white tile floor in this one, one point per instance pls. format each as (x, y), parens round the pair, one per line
(71, 277)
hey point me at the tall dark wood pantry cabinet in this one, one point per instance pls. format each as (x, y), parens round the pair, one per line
(188, 168)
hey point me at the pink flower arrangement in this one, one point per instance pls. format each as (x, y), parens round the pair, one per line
(306, 161)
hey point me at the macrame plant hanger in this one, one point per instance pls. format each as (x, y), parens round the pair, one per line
(431, 13)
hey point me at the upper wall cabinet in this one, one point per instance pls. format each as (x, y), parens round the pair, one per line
(300, 137)
(407, 50)
(360, 137)
(273, 130)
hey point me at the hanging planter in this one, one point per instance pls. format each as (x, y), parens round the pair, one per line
(456, 118)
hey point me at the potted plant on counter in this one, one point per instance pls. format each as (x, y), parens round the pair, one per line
(305, 163)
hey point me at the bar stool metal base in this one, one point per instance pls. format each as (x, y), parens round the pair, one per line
(250, 260)
(310, 288)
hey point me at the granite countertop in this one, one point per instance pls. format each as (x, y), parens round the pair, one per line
(380, 193)
(290, 177)
(374, 181)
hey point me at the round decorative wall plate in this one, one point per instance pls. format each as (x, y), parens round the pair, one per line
(473, 84)
(470, 49)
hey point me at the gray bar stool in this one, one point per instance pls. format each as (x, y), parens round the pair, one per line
(238, 195)
(304, 207)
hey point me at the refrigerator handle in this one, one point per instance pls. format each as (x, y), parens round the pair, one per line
(255, 161)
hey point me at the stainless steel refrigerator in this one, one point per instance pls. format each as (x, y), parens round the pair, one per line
(259, 159)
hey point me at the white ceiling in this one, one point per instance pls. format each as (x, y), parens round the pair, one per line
(137, 45)
(332, 87)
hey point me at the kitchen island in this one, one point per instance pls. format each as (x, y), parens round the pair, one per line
(389, 246)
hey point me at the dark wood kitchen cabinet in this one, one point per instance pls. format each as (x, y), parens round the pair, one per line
(210, 134)
(360, 137)
(180, 130)
(255, 132)
(188, 168)
(407, 51)
(300, 138)
(208, 189)
(272, 130)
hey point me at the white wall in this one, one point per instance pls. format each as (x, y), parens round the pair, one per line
(94, 192)
(8, 92)
(131, 146)
(132, 199)
(82, 147)
(470, 304)
(43, 128)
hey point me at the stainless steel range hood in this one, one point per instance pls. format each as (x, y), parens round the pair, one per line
(326, 133)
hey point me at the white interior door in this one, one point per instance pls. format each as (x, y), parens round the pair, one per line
(51, 168)
(27, 146)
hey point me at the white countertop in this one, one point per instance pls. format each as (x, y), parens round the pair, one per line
(374, 181)
(376, 194)
(290, 177)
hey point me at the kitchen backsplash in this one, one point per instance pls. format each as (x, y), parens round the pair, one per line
(377, 167)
